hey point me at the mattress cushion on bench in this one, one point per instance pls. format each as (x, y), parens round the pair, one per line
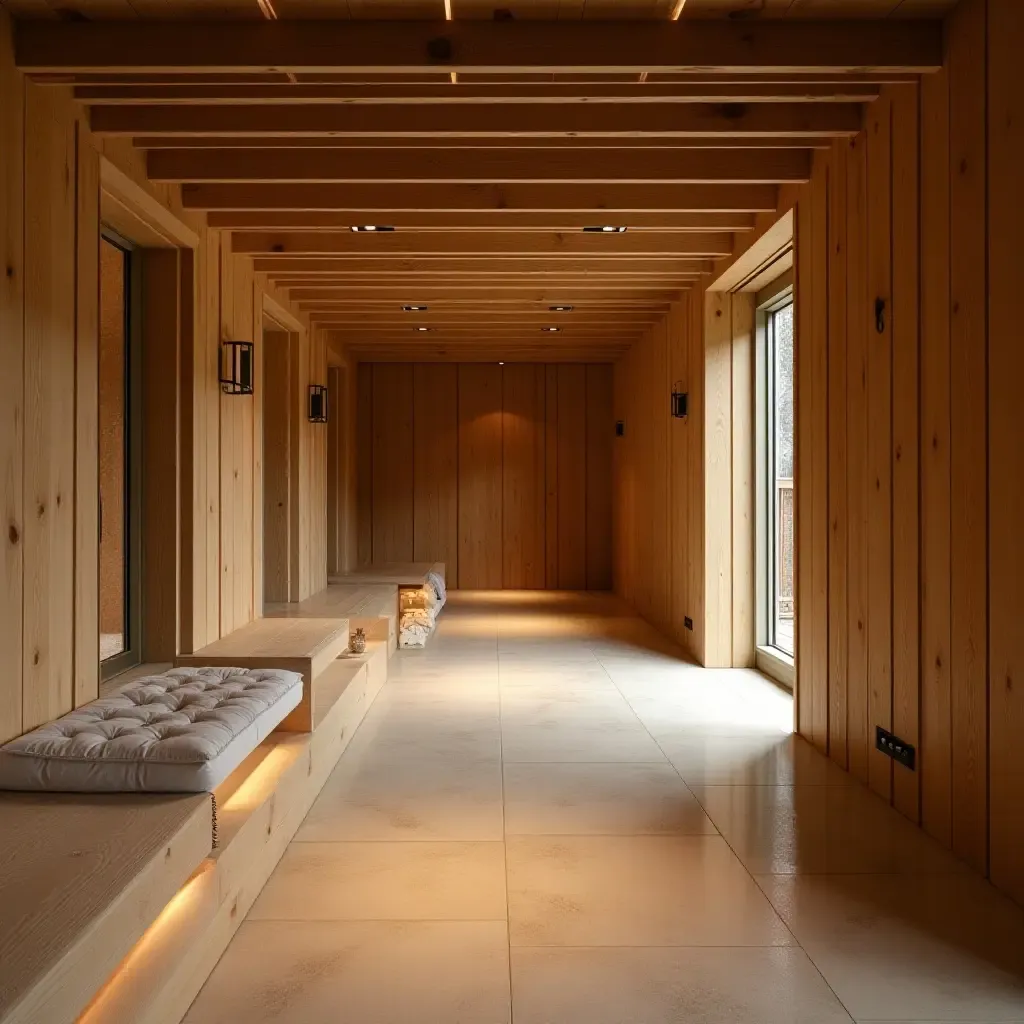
(183, 731)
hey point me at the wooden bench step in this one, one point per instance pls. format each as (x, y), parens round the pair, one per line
(304, 645)
(372, 607)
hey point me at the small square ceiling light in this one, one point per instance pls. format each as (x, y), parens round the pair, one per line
(424, 329)
(414, 309)
(559, 309)
(371, 227)
(607, 229)
(551, 330)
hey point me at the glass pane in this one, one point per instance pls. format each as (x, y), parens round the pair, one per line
(113, 452)
(784, 593)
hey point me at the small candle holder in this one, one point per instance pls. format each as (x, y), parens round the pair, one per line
(357, 642)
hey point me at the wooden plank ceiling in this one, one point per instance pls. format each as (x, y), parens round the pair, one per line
(485, 151)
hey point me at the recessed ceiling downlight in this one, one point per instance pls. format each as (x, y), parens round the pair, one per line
(606, 229)
(559, 309)
(371, 227)
(551, 330)
(414, 309)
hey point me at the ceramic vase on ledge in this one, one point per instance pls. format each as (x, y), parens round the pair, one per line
(357, 642)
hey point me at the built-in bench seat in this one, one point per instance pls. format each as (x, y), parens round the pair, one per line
(81, 878)
(116, 908)
(399, 574)
(372, 607)
(304, 645)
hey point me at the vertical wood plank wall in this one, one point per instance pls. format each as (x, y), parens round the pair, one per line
(501, 472)
(50, 216)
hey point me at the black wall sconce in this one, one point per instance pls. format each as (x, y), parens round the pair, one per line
(236, 367)
(317, 403)
(680, 401)
(880, 316)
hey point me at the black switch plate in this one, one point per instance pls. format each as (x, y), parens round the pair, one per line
(899, 750)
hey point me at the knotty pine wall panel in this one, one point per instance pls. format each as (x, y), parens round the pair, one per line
(510, 482)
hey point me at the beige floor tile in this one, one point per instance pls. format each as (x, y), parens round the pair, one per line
(670, 986)
(600, 799)
(580, 734)
(375, 798)
(911, 948)
(818, 829)
(638, 891)
(287, 972)
(709, 760)
(386, 882)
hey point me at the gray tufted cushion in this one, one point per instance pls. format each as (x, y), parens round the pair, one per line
(181, 732)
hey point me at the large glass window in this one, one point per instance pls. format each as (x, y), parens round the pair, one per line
(119, 611)
(779, 589)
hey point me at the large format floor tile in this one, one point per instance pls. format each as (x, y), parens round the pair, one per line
(637, 891)
(541, 733)
(288, 972)
(600, 799)
(386, 882)
(670, 986)
(912, 948)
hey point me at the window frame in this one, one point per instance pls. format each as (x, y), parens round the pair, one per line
(131, 656)
(771, 659)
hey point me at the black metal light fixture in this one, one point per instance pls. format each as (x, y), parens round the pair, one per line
(680, 401)
(371, 227)
(423, 330)
(559, 309)
(414, 309)
(317, 403)
(236, 367)
(550, 330)
(606, 229)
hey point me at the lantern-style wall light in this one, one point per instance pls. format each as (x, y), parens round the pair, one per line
(317, 403)
(680, 401)
(236, 359)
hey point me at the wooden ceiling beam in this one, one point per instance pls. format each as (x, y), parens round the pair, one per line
(480, 120)
(283, 266)
(476, 305)
(493, 142)
(600, 200)
(573, 46)
(322, 243)
(477, 321)
(444, 94)
(488, 354)
(550, 295)
(500, 220)
(485, 166)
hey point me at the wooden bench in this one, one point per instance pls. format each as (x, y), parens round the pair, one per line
(305, 645)
(81, 879)
(399, 574)
(372, 607)
(260, 808)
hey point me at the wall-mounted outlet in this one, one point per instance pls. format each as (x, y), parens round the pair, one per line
(688, 622)
(899, 750)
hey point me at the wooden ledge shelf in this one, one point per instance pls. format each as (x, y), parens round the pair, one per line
(304, 645)
(400, 574)
(81, 878)
(372, 607)
(260, 807)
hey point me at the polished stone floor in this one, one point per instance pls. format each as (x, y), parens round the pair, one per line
(547, 817)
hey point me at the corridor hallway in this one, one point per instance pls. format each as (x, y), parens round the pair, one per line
(548, 817)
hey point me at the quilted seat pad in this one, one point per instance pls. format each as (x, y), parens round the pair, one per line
(183, 731)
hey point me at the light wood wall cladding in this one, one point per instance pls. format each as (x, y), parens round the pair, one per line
(501, 472)
(206, 548)
(909, 461)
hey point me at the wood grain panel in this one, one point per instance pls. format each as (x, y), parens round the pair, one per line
(436, 465)
(1006, 453)
(364, 464)
(551, 476)
(523, 444)
(229, 416)
(680, 510)
(480, 455)
(837, 510)
(879, 132)
(277, 462)
(50, 257)
(12, 398)
(572, 470)
(968, 442)
(209, 303)
(906, 594)
(598, 468)
(936, 724)
(392, 462)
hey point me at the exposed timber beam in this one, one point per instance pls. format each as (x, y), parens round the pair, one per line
(502, 220)
(569, 92)
(680, 166)
(319, 243)
(453, 196)
(356, 46)
(476, 120)
(492, 142)
(284, 266)
(516, 294)
(479, 320)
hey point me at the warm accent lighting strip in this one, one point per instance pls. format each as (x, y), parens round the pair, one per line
(678, 9)
(268, 9)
